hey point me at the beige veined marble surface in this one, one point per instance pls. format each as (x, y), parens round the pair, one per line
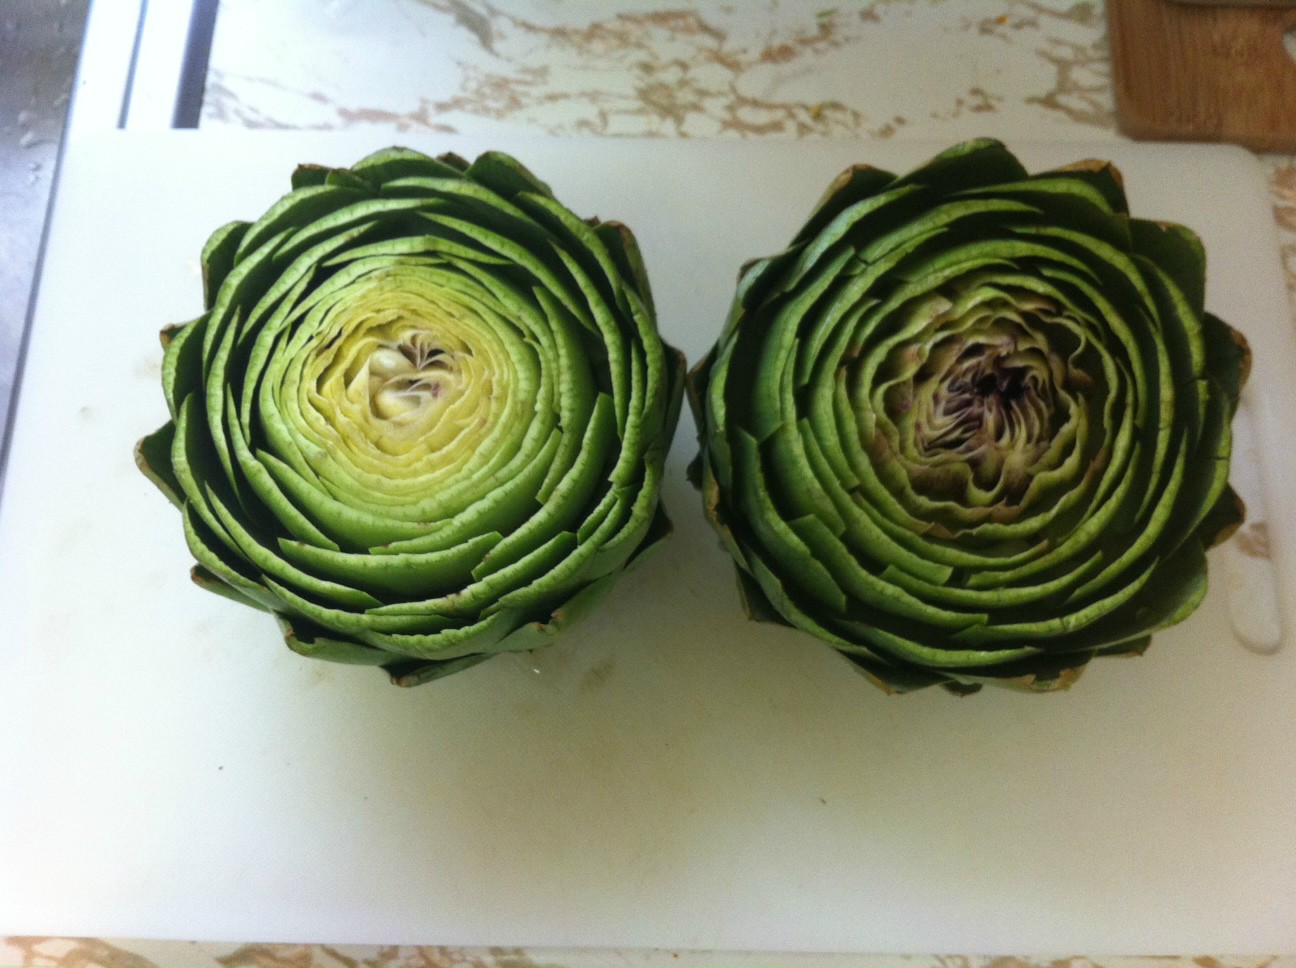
(941, 69)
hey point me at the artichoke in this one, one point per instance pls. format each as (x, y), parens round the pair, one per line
(973, 425)
(424, 417)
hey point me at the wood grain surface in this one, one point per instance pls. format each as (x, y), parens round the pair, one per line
(1239, 3)
(1195, 71)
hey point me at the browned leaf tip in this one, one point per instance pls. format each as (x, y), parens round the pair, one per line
(1096, 166)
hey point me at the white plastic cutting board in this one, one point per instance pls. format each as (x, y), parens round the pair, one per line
(670, 775)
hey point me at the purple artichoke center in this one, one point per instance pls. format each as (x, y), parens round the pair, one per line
(988, 398)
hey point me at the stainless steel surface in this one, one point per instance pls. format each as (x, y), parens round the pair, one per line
(40, 41)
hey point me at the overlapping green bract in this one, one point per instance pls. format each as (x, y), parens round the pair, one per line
(973, 425)
(424, 417)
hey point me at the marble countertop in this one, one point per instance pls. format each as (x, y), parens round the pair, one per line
(941, 69)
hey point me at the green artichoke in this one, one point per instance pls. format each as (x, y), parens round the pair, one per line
(424, 418)
(973, 425)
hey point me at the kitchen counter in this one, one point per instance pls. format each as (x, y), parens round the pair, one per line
(943, 69)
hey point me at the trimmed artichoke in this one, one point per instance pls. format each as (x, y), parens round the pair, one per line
(424, 417)
(973, 425)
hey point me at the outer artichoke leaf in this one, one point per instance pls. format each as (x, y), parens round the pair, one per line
(467, 206)
(270, 563)
(624, 250)
(1059, 625)
(800, 482)
(859, 221)
(533, 261)
(942, 652)
(777, 356)
(393, 164)
(1176, 587)
(1228, 358)
(1178, 252)
(342, 522)
(1066, 199)
(193, 462)
(217, 392)
(959, 215)
(364, 626)
(871, 590)
(415, 245)
(217, 557)
(315, 642)
(867, 540)
(483, 593)
(659, 529)
(586, 246)
(452, 643)
(755, 279)
(182, 363)
(618, 544)
(571, 496)
(294, 211)
(782, 543)
(992, 592)
(1176, 590)
(1223, 519)
(1099, 174)
(1180, 327)
(340, 230)
(578, 606)
(1151, 538)
(1042, 673)
(981, 161)
(1123, 283)
(1131, 649)
(1207, 479)
(425, 574)
(896, 679)
(218, 258)
(853, 185)
(754, 601)
(566, 568)
(541, 632)
(775, 595)
(409, 674)
(344, 178)
(717, 421)
(309, 175)
(209, 580)
(522, 576)
(620, 362)
(153, 458)
(506, 176)
(245, 285)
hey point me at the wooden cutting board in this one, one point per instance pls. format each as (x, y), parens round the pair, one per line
(1202, 70)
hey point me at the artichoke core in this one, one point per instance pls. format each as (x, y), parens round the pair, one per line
(976, 404)
(406, 377)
